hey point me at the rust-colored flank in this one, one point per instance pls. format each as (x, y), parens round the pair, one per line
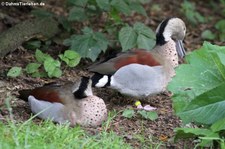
(49, 95)
(140, 57)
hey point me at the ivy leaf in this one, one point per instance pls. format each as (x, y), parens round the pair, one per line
(127, 38)
(148, 114)
(14, 72)
(128, 113)
(32, 68)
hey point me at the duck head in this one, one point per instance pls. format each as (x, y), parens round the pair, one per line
(82, 88)
(172, 29)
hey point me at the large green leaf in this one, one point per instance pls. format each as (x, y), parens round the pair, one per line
(197, 83)
(218, 125)
(146, 37)
(127, 38)
(192, 132)
(196, 132)
(138, 8)
(121, 6)
(140, 28)
(80, 3)
(206, 108)
(103, 4)
(89, 45)
(77, 14)
(138, 36)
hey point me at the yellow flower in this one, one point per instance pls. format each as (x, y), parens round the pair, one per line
(137, 103)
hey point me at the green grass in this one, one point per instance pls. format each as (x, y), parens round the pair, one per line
(49, 135)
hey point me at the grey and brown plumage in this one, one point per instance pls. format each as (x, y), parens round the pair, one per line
(73, 102)
(140, 72)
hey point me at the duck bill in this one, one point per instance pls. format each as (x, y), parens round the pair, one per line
(180, 49)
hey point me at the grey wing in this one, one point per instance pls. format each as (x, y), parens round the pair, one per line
(47, 110)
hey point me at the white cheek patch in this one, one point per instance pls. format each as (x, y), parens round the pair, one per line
(103, 81)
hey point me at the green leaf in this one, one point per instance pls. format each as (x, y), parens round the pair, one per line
(138, 8)
(42, 13)
(206, 108)
(73, 62)
(32, 67)
(89, 45)
(51, 66)
(63, 58)
(103, 4)
(140, 28)
(220, 25)
(71, 54)
(144, 42)
(56, 73)
(71, 58)
(39, 74)
(128, 113)
(199, 96)
(40, 56)
(184, 133)
(192, 132)
(81, 3)
(77, 14)
(65, 23)
(127, 38)
(121, 6)
(207, 34)
(33, 44)
(218, 125)
(148, 115)
(114, 14)
(14, 72)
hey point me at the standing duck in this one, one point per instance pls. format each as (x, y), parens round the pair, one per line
(71, 102)
(142, 73)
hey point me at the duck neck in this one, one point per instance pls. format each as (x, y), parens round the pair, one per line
(167, 55)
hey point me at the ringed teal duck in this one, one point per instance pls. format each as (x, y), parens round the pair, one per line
(142, 73)
(72, 102)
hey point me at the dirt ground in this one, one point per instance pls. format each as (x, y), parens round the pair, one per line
(160, 130)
